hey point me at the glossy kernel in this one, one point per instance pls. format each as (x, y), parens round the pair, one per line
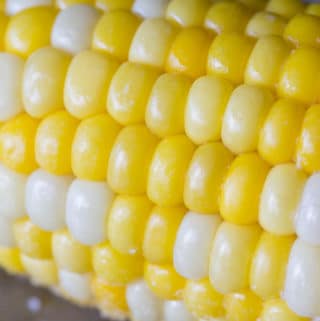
(31, 240)
(205, 107)
(87, 83)
(53, 142)
(160, 234)
(228, 56)
(126, 223)
(164, 281)
(29, 30)
(266, 60)
(114, 268)
(43, 81)
(231, 256)
(203, 300)
(129, 92)
(188, 53)
(167, 171)
(130, 160)
(166, 106)
(227, 16)
(285, 8)
(69, 254)
(245, 176)
(114, 32)
(204, 177)
(279, 133)
(17, 138)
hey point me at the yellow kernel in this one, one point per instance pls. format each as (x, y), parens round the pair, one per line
(3, 27)
(246, 111)
(126, 223)
(54, 141)
(205, 107)
(87, 83)
(160, 234)
(114, 268)
(254, 4)
(31, 240)
(10, 260)
(43, 81)
(152, 42)
(114, 32)
(231, 256)
(29, 30)
(313, 8)
(304, 29)
(92, 144)
(62, 4)
(188, 53)
(164, 281)
(300, 76)
(129, 92)
(204, 177)
(69, 254)
(130, 160)
(17, 143)
(242, 306)
(285, 8)
(228, 56)
(113, 4)
(308, 147)
(239, 201)
(168, 169)
(227, 16)
(265, 24)
(166, 105)
(202, 300)
(187, 13)
(42, 272)
(273, 49)
(269, 265)
(278, 136)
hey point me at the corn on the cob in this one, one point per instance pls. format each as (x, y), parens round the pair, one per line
(160, 159)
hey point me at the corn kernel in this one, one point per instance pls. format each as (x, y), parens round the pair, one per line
(10, 260)
(176, 311)
(166, 105)
(12, 7)
(152, 41)
(87, 83)
(187, 13)
(164, 281)
(31, 240)
(114, 268)
(108, 5)
(43, 81)
(205, 107)
(254, 4)
(273, 50)
(280, 197)
(62, 4)
(53, 142)
(228, 56)
(227, 16)
(17, 143)
(242, 306)
(231, 256)
(3, 26)
(29, 30)
(129, 92)
(245, 176)
(278, 136)
(313, 8)
(300, 76)
(167, 170)
(114, 32)
(6, 232)
(265, 24)
(42, 272)
(69, 254)
(204, 177)
(126, 223)
(269, 264)
(150, 8)
(308, 147)
(247, 108)
(203, 300)
(285, 8)
(188, 53)
(160, 234)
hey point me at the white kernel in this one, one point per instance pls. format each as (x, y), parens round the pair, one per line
(150, 8)
(15, 6)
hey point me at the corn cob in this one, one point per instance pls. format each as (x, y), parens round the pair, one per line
(160, 159)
